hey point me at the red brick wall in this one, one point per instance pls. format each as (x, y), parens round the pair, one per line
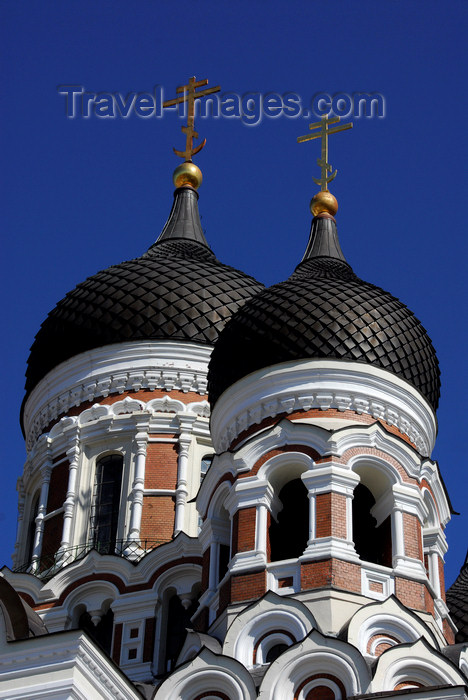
(449, 634)
(157, 519)
(248, 586)
(161, 466)
(411, 593)
(331, 515)
(323, 519)
(246, 530)
(412, 534)
(57, 487)
(441, 578)
(331, 573)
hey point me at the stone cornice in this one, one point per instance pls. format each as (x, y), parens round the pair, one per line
(115, 369)
(323, 384)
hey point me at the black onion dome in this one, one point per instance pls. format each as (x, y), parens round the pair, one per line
(457, 602)
(177, 290)
(325, 311)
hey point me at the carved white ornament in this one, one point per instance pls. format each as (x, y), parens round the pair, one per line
(127, 407)
(323, 384)
(115, 369)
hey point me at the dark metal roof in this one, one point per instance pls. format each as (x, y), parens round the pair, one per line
(177, 290)
(457, 601)
(325, 311)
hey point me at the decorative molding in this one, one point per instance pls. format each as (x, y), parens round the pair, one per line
(319, 384)
(115, 369)
(128, 407)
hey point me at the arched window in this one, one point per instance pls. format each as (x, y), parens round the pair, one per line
(106, 503)
(373, 544)
(289, 535)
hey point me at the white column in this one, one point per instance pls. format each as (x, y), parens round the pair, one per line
(312, 517)
(46, 471)
(433, 565)
(185, 440)
(73, 455)
(261, 528)
(398, 537)
(141, 440)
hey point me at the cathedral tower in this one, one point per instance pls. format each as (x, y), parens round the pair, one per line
(270, 528)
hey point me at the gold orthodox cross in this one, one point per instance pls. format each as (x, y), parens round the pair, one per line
(324, 133)
(189, 95)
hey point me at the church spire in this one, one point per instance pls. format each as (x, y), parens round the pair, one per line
(184, 219)
(323, 239)
(324, 202)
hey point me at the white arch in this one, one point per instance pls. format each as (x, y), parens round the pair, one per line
(388, 617)
(315, 655)
(208, 673)
(414, 663)
(280, 469)
(95, 596)
(378, 474)
(432, 520)
(218, 499)
(273, 619)
(182, 578)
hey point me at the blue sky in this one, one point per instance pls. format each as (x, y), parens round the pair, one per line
(82, 194)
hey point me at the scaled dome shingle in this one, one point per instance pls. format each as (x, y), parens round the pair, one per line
(177, 290)
(325, 311)
(457, 602)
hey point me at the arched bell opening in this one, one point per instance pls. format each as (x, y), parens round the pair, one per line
(372, 540)
(289, 534)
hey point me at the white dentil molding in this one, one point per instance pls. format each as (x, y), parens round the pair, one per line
(114, 369)
(323, 384)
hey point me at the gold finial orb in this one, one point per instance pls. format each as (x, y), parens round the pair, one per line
(323, 203)
(187, 174)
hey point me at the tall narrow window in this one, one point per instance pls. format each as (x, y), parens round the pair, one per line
(289, 536)
(106, 503)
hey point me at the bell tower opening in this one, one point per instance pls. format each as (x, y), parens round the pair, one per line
(289, 535)
(372, 543)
